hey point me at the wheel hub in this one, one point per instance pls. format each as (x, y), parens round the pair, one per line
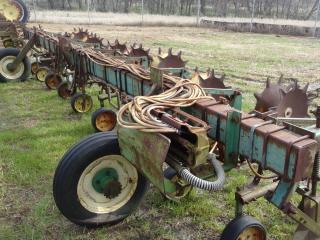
(107, 184)
(106, 181)
(112, 189)
(64, 91)
(105, 121)
(53, 81)
(83, 104)
(9, 74)
(34, 67)
(41, 74)
(251, 233)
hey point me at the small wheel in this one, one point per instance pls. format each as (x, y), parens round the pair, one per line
(21, 72)
(181, 189)
(64, 91)
(8, 43)
(94, 185)
(52, 80)
(103, 120)
(244, 228)
(41, 73)
(34, 67)
(81, 102)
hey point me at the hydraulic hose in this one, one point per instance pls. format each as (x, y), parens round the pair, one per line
(204, 184)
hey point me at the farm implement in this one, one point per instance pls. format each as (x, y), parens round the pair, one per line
(174, 128)
(177, 135)
(179, 139)
(70, 62)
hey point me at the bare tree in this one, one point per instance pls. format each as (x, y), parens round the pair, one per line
(297, 9)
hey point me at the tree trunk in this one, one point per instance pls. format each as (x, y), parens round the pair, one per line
(203, 6)
(313, 9)
(289, 9)
(126, 6)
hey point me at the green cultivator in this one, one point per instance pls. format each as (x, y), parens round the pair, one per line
(174, 128)
(174, 140)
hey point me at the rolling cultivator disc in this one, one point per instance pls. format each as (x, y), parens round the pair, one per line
(270, 96)
(294, 104)
(170, 60)
(84, 36)
(139, 51)
(287, 102)
(94, 38)
(118, 46)
(80, 34)
(208, 79)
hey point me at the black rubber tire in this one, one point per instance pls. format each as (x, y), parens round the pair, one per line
(238, 225)
(26, 12)
(49, 75)
(62, 88)
(68, 173)
(27, 66)
(97, 113)
(74, 98)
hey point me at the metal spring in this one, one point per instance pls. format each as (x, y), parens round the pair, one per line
(203, 184)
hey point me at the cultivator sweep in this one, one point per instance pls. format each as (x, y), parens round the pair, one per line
(175, 128)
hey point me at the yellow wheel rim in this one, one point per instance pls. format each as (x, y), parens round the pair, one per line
(41, 74)
(97, 202)
(8, 74)
(83, 103)
(106, 121)
(251, 233)
(11, 12)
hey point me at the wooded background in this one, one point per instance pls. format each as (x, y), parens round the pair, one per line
(287, 9)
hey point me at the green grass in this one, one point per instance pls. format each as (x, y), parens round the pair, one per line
(37, 128)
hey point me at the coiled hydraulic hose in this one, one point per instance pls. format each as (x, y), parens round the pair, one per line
(203, 184)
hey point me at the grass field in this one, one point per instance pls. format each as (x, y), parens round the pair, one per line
(36, 128)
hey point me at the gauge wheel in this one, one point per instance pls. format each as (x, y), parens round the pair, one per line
(41, 73)
(34, 67)
(64, 91)
(103, 120)
(22, 71)
(52, 80)
(94, 185)
(243, 228)
(8, 43)
(81, 102)
(182, 190)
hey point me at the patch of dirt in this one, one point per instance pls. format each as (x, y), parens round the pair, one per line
(16, 202)
(30, 122)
